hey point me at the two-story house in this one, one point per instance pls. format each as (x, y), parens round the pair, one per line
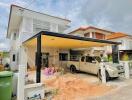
(92, 32)
(24, 23)
(125, 49)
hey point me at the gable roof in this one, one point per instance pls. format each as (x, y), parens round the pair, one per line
(116, 35)
(89, 27)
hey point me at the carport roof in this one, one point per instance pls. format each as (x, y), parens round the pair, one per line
(57, 40)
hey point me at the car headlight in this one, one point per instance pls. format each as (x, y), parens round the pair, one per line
(120, 67)
(110, 69)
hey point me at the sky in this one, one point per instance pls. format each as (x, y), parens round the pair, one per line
(113, 15)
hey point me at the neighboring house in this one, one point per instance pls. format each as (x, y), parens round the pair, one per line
(24, 23)
(92, 32)
(125, 49)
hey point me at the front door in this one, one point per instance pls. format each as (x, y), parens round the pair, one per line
(45, 59)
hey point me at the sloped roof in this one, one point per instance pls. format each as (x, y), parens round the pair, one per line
(116, 35)
(89, 27)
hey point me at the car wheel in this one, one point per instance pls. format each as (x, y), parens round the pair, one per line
(100, 76)
(73, 69)
(107, 76)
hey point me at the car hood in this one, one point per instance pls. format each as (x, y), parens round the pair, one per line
(112, 64)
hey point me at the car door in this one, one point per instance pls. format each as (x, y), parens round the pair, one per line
(92, 64)
(84, 65)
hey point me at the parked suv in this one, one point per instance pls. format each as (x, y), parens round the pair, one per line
(91, 64)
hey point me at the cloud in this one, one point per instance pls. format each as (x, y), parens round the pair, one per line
(4, 45)
(21, 3)
(115, 15)
(16, 2)
(4, 4)
(4, 10)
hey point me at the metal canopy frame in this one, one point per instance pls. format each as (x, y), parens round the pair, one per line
(39, 45)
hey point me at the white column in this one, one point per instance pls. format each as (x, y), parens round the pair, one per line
(22, 56)
(22, 73)
(21, 82)
(127, 70)
(90, 34)
(103, 74)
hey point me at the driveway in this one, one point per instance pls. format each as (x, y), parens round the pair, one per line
(123, 91)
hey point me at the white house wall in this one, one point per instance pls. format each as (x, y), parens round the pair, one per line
(26, 28)
(24, 23)
(45, 17)
(30, 27)
(126, 43)
(53, 55)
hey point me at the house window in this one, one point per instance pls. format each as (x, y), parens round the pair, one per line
(83, 59)
(63, 56)
(87, 34)
(13, 58)
(14, 36)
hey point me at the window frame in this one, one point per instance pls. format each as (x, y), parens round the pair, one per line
(14, 57)
(63, 56)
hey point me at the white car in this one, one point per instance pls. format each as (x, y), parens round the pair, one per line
(91, 64)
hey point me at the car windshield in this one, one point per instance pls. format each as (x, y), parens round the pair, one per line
(98, 58)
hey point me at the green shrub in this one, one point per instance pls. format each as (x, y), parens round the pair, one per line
(110, 58)
(125, 57)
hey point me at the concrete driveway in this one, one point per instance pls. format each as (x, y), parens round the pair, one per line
(120, 82)
(122, 92)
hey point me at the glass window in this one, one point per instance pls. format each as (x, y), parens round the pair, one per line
(89, 59)
(14, 37)
(13, 57)
(87, 34)
(98, 58)
(83, 59)
(63, 56)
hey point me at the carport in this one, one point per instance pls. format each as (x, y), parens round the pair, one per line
(51, 39)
